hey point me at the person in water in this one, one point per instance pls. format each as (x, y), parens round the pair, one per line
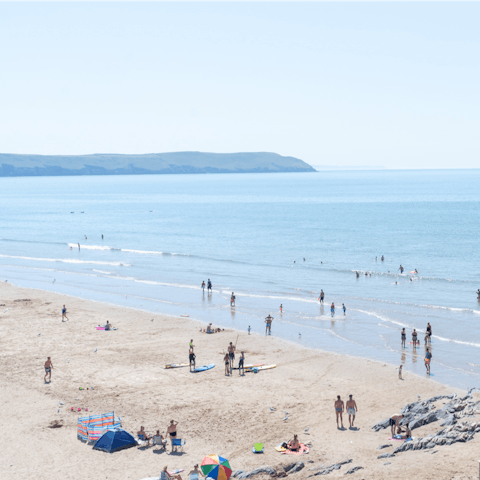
(339, 409)
(344, 308)
(383, 258)
(332, 309)
(428, 358)
(209, 287)
(232, 300)
(404, 337)
(203, 286)
(268, 327)
(414, 338)
(322, 296)
(281, 308)
(401, 269)
(428, 334)
(358, 275)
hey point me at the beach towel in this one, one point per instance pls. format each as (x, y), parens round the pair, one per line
(303, 449)
(397, 439)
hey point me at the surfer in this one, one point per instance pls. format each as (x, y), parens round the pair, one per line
(48, 370)
(332, 309)
(352, 409)
(268, 327)
(231, 353)
(64, 313)
(322, 296)
(339, 409)
(203, 286)
(191, 355)
(428, 358)
(401, 269)
(209, 286)
(344, 308)
(232, 300)
(428, 334)
(404, 337)
(414, 338)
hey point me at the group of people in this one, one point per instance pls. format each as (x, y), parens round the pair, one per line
(229, 359)
(399, 432)
(415, 342)
(209, 286)
(158, 438)
(194, 474)
(351, 407)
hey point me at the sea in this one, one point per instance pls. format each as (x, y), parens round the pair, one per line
(272, 239)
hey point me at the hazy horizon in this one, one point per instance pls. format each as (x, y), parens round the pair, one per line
(394, 85)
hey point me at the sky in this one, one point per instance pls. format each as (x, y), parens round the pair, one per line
(382, 84)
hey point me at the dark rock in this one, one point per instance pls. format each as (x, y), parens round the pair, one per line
(381, 425)
(450, 420)
(386, 455)
(388, 463)
(297, 467)
(384, 446)
(241, 474)
(287, 468)
(352, 470)
(310, 461)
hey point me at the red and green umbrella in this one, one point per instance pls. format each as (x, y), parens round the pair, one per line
(216, 467)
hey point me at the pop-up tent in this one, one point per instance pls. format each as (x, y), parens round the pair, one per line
(114, 440)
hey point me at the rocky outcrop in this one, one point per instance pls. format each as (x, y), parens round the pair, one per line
(326, 470)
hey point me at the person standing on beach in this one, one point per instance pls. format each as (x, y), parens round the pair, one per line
(351, 410)
(172, 430)
(322, 296)
(332, 309)
(404, 337)
(226, 359)
(268, 327)
(339, 409)
(48, 370)
(241, 364)
(231, 353)
(428, 334)
(191, 355)
(64, 313)
(249, 328)
(203, 286)
(414, 338)
(428, 358)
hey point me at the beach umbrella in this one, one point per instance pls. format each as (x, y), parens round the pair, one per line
(216, 467)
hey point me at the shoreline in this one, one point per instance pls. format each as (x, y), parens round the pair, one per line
(216, 413)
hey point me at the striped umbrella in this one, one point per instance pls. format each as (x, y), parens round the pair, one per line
(216, 467)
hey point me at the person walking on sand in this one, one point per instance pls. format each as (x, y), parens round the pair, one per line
(249, 328)
(404, 337)
(64, 313)
(400, 372)
(191, 355)
(414, 338)
(351, 410)
(241, 364)
(268, 327)
(428, 359)
(226, 359)
(203, 286)
(48, 370)
(231, 354)
(322, 296)
(339, 409)
(172, 430)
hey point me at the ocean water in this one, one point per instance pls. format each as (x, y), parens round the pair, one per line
(249, 233)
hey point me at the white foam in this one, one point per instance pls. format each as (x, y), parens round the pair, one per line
(90, 247)
(66, 260)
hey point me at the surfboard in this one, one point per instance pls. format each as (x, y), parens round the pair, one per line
(176, 365)
(250, 366)
(204, 368)
(264, 367)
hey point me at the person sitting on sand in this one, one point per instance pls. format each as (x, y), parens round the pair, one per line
(142, 435)
(166, 476)
(294, 445)
(209, 328)
(395, 422)
(196, 473)
(108, 326)
(172, 430)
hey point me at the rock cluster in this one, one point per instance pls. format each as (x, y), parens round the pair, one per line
(286, 470)
(326, 470)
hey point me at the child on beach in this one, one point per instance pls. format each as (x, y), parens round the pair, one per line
(400, 372)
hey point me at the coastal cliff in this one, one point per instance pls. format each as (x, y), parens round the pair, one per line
(15, 165)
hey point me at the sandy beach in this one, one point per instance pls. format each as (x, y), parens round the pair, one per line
(215, 413)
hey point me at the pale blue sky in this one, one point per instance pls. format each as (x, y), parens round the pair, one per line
(392, 84)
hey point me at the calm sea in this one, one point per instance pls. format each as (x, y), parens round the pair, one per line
(250, 234)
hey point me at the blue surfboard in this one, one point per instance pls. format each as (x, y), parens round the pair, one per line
(202, 369)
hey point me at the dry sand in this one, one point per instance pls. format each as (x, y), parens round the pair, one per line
(216, 414)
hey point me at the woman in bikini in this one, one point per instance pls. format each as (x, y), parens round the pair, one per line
(294, 445)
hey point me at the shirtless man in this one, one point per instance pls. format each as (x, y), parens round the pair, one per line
(351, 410)
(339, 409)
(191, 355)
(268, 328)
(48, 370)
(172, 430)
(64, 313)
(231, 354)
(394, 423)
(404, 337)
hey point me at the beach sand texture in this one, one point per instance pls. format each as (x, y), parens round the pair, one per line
(216, 414)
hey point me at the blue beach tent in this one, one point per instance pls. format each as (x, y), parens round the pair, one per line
(114, 440)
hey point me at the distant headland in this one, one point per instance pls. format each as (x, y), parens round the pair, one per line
(16, 165)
